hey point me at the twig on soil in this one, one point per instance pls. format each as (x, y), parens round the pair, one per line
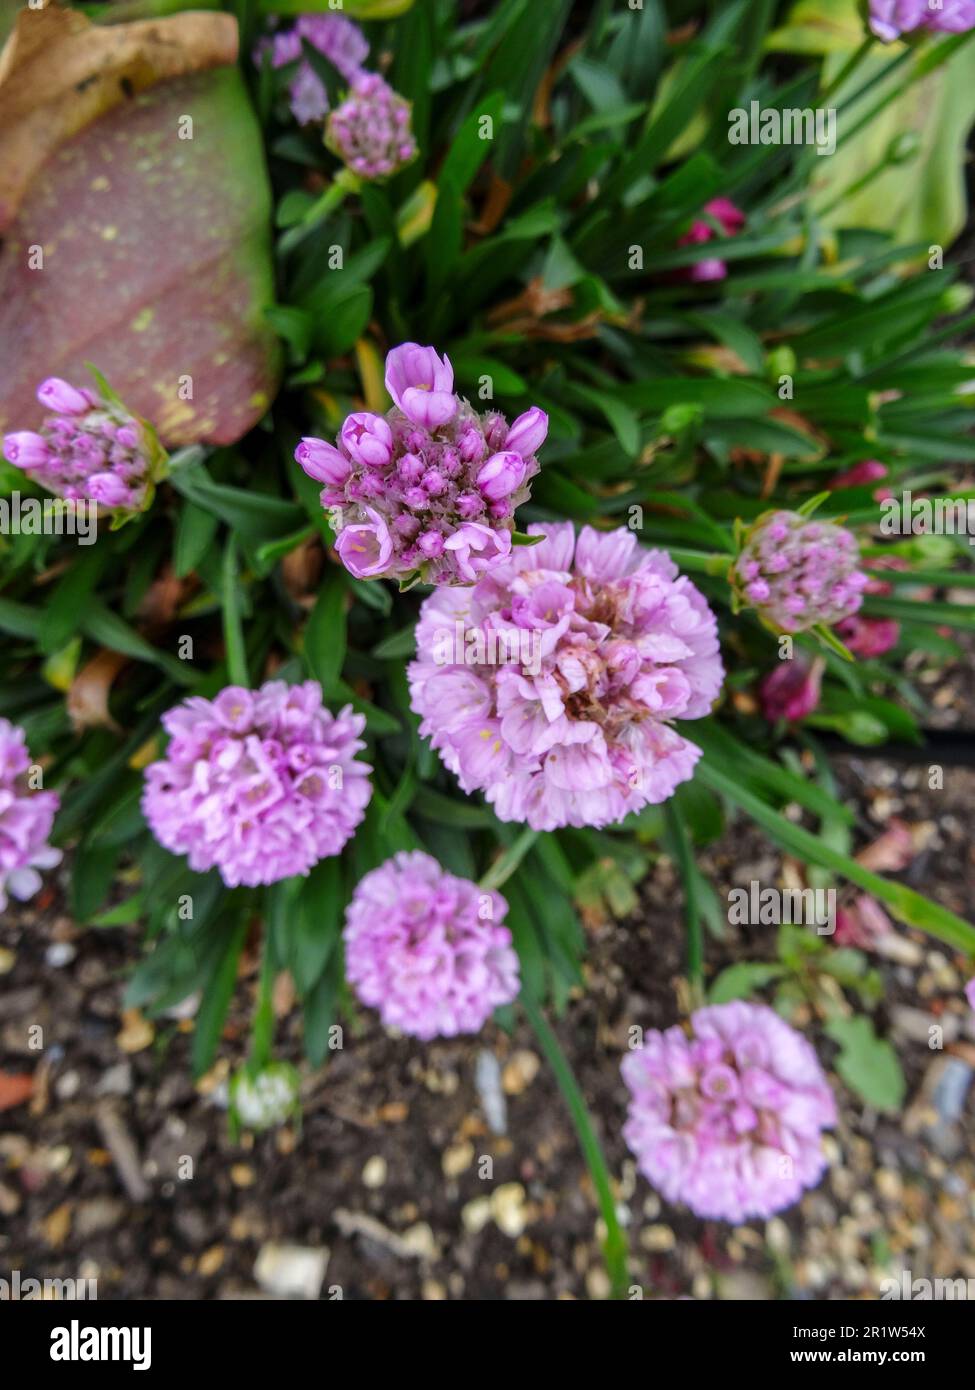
(119, 1143)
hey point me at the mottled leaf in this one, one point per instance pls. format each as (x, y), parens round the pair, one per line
(155, 265)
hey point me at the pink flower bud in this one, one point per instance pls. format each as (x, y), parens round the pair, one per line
(25, 449)
(431, 543)
(501, 475)
(528, 433)
(368, 439)
(868, 637)
(421, 384)
(323, 462)
(791, 691)
(862, 473)
(59, 395)
(108, 489)
(127, 436)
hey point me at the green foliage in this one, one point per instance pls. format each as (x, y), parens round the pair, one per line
(539, 240)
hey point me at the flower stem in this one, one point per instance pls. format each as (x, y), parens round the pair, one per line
(700, 561)
(848, 68)
(507, 862)
(692, 910)
(344, 183)
(184, 458)
(614, 1245)
(233, 629)
(262, 1030)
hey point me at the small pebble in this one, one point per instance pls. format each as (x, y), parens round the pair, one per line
(59, 954)
(457, 1159)
(374, 1171)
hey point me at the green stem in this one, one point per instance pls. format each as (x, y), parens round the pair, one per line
(184, 458)
(614, 1246)
(848, 68)
(685, 862)
(262, 1032)
(700, 561)
(344, 183)
(507, 862)
(233, 630)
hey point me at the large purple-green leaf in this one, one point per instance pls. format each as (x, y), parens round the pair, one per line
(156, 264)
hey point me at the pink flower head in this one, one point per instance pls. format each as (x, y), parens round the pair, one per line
(791, 691)
(970, 993)
(891, 19)
(730, 219)
(421, 384)
(342, 43)
(573, 658)
(799, 572)
(26, 817)
(430, 489)
(88, 449)
(260, 784)
(427, 949)
(729, 1120)
(868, 637)
(371, 131)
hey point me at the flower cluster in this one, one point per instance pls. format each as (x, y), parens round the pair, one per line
(88, 447)
(730, 219)
(370, 132)
(970, 992)
(728, 1122)
(577, 734)
(342, 43)
(798, 572)
(261, 784)
(26, 817)
(890, 19)
(427, 949)
(430, 489)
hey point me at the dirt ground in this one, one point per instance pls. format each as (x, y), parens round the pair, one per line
(384, 1188)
